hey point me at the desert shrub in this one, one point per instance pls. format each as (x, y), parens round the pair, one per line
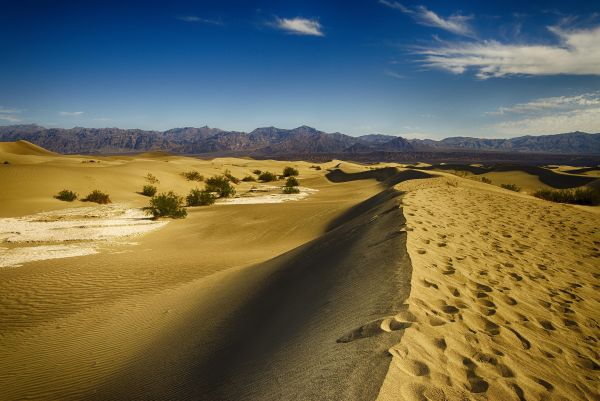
(511, 187)
(220, 184)
(257, 172)
(66, 195)
(193, 175)
(97, 197)
(292, 182)
(486, 180)
(233, 179)
(148, 190)
(290, 172)
(290, 190)
(316, 167)
(151, 179)
(166, 205)
(452, 183)
(267, 176)
(6, 162)
(248, 178)
(580, 196)
(197, 197)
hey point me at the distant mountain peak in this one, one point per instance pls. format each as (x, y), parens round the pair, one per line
(263, 141)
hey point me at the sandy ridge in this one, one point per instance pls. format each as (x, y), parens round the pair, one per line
(504, 293)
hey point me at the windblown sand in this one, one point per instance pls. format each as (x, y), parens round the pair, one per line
(295, 296)
(504, 297)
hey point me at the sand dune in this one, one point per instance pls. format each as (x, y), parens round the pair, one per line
(309, 299)
(24, 148)
(504, 295)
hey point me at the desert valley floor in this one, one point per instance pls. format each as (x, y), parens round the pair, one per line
(375, 282)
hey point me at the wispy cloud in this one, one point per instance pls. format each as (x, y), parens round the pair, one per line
(393, 74)
(584, 100)
(550, 115)
(70, 113)
(576, 53)
(587, 120)
(8, 114)
(196, 19)
(457, 23)
(300, 26)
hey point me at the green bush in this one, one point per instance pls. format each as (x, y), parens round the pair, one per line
(97, 197)
(148, 190)
(66, 195)
(267, 176)
(579, 196)
(511, 187)
(290, 172)
(166, 205)
(290, 190)
(233, 179)
(486, 180)
(152, 179)
(197, 197)
(220, 184)
(257, 172)
(193, 175)
(292, 182)
(248, 178)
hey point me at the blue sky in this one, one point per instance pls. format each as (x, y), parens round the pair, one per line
(416, 69)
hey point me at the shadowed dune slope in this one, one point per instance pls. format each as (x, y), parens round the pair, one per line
(547, 177)
(289, 333)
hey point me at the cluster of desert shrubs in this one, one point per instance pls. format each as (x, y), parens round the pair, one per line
(97, 197)
(167, 204)
(231, 178)
(267, 176)
(290, 172)
(486, 180)
(315, 167)
(511, 187)
(291, 186)
(199, 197)
(579, 196)
(94, 196)
(66, 195)
(193, 175)
(149, 190)
(220, 184)
(249, 178)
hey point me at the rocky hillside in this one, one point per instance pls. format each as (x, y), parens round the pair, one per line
(271, 141)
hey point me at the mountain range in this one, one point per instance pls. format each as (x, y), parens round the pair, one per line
(271, 141)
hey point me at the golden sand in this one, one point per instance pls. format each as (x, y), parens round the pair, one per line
(504, 297)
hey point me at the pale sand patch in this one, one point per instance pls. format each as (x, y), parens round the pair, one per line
(17, 256)
(504, 294)
(82, 228)
(268, 198)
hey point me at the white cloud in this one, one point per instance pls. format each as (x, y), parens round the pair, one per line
(551, 103)
(70, 113)
(194, 18)
(457, 23)
(300, 26)
(587, 120)
(7, 114)
(577, 53)
(10, 118)
(550, 115)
